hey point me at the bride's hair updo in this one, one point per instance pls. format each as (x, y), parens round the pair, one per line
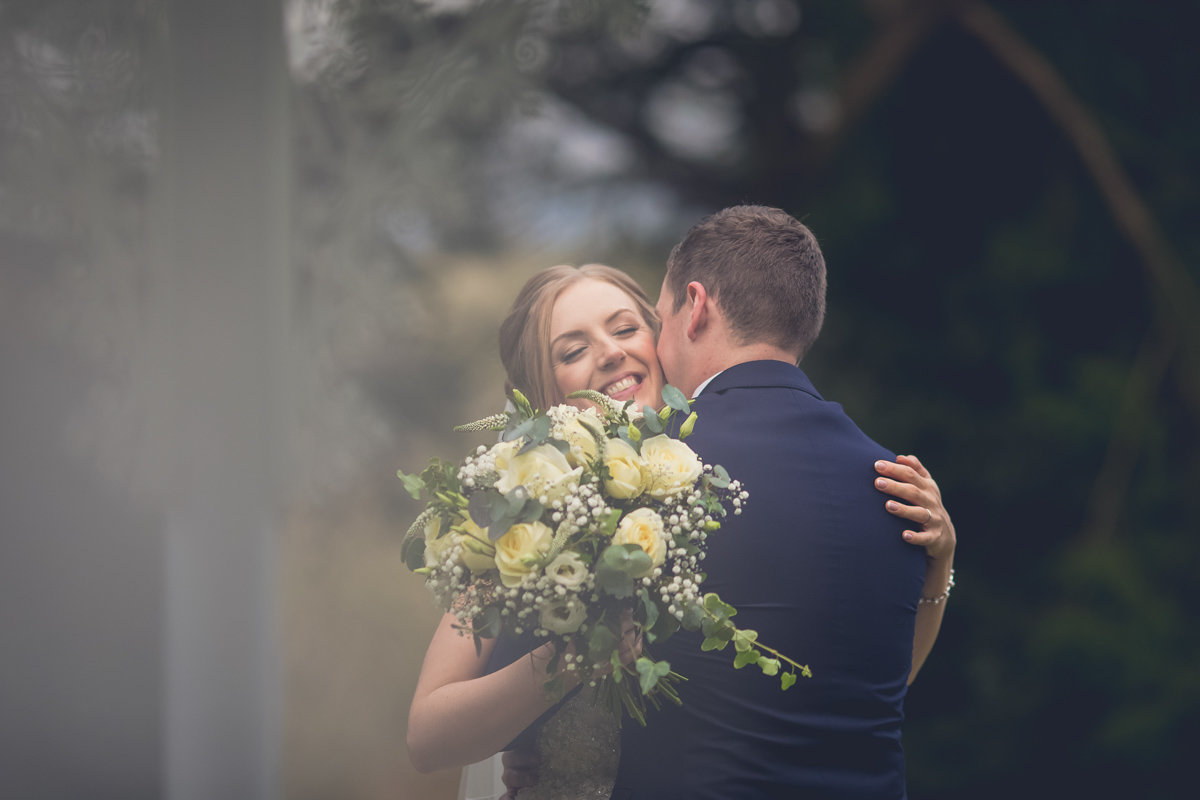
(525, 332)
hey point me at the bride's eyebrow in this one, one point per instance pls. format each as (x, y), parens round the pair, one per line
(579, 334)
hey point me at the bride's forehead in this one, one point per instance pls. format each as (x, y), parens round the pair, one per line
(587, 300)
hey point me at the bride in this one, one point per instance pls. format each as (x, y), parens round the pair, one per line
(572, 328)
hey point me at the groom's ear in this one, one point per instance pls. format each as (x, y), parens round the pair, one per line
(697, 306)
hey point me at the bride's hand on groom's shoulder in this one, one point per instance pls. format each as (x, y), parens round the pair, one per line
(907, 480)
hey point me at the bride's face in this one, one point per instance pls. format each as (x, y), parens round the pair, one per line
(599, 340)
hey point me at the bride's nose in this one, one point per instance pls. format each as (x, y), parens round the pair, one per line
(611, 354)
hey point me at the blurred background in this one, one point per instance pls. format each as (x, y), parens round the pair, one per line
(252, 261)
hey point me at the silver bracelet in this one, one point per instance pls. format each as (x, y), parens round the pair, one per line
(941, 598)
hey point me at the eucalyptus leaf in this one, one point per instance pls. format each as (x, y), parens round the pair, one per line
(664, 628)
(479, 506)
(516, 432)
(601, 644)
(675, 398)
(649, 609)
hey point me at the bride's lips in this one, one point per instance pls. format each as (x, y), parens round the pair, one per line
(624, 387)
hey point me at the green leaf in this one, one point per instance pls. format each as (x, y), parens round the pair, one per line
(715, 606)
(539, 432)
(601, 644)
(653, 423)
(745, 657)
(648, 608)
(744, 640)
(609, 523)
(769, 666)
(487, 624)
(674, 398)
(713, 643)
(412, 483)
(786, 680)
(693, 617)
(651, 672)
(719, 477)
(479, 506)
(517, 431)
(664, 628)
(413, 553)
(619, 566)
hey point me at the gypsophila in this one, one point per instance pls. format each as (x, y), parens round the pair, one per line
(575, 526)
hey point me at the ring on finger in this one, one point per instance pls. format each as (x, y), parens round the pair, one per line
(929, 519)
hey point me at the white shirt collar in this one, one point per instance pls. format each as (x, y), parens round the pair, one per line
(705, 384)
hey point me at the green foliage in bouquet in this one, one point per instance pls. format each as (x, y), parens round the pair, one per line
(580, 526)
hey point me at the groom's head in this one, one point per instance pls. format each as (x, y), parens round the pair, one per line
(762, 271)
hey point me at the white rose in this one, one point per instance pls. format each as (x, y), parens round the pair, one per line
(644, 527)
(543, 471)
(674, 467)
(567, 570)
(629, 475)
(520, 549)
(563, 616)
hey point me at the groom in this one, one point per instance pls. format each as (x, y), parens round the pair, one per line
(814, 563)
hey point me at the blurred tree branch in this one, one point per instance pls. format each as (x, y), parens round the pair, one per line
(1177, 302)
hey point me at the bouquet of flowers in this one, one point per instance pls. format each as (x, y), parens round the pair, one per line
(575, 524)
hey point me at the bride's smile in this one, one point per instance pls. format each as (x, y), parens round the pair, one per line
(599, 340)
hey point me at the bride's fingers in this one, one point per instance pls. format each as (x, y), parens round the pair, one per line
(910, 493)
(919, 515)
(900, 472)
(915, 464)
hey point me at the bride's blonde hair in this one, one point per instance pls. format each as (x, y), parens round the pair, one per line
(525, 332)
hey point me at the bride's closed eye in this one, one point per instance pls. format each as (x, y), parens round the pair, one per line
(567, 356)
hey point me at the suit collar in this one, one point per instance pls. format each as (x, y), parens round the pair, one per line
(761, 374)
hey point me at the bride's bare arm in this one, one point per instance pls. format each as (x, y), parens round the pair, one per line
(458, 714)
(908, 480)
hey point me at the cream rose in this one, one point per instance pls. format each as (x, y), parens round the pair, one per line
(543, 471)
(644, 527)
(563, 616)
(520, 549)
(474, 550)
(674, 467)
(575, 433)
(629, 475)
(477, 552)
(502, 455)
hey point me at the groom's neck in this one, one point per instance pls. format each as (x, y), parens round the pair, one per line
(719, 356)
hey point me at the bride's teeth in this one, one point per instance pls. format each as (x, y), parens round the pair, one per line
(620, 386)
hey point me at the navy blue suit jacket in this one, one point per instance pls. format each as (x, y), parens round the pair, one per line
(818, 567)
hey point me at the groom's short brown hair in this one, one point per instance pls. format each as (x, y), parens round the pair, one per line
(763, 267)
